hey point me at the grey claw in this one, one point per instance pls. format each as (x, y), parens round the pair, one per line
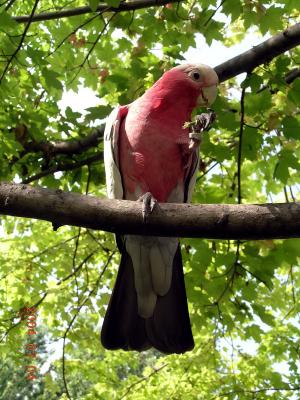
(149, 203)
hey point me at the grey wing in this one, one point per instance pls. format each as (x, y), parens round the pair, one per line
(190, 180)
(114, 185)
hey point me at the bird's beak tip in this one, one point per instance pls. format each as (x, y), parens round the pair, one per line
(208, 95)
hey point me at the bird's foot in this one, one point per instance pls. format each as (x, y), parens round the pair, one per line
(149, 203)
(202, 123)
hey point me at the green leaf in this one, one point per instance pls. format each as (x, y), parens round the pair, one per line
(291, 127)
(265, 316)
(253, 81)
(37, 56)
(51, 79)
(282, 62)
(254, 331)
(71, 115)
(281, 171)
(257, 103)
(7, 23)
(252, 141)
(232, 8)
(294, 92)
(98, 112)
(93, 4)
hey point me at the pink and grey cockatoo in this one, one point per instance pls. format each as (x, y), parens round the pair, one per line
(147, 149)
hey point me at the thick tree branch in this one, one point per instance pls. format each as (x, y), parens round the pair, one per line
(292, 75)
(289, 78)
(65, 166)
(261, 54)
(215, 221)
(51, 149)
(129, 6)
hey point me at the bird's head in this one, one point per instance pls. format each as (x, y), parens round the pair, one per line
(201, 79)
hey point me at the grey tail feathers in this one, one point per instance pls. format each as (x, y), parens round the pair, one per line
(168, 329)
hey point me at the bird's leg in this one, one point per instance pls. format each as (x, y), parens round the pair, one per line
(149, 203)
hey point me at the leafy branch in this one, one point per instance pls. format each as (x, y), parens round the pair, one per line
(106, 23)
(242, 63)
(79, 267)
(85, 23)
(15, 324)
(78, 309)
(124, 6)
(256, 391)
(143, 379)
(53, 148)
(14, 54)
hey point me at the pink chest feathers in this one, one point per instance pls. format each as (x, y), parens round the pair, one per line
(154, 156)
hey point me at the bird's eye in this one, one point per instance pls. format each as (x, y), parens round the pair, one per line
(195, 75)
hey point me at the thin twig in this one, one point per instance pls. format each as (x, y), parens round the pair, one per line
(73, 320)
(144, 378)
(214, 13)
(286, 194)
(53, 148)
(208, 170)
(20, 320)
(74, 31)
(255, 276)
(60, 243)
(179, 16)
(292, 194)
(21, 41)
(92, 47)
(255, 391)
(74, 272)
(10, 4)
(89, 232)
(74, 264)
(239, 158)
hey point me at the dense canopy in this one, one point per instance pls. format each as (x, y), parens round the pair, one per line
(243, 295)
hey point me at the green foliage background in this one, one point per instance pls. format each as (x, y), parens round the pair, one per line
(243, 298)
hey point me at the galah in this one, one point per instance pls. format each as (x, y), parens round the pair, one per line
(148, 149)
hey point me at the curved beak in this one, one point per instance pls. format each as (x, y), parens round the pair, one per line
(208, 95)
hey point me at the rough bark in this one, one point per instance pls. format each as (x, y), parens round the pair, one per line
(73, 146)
(214, 221)
(261, 54)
